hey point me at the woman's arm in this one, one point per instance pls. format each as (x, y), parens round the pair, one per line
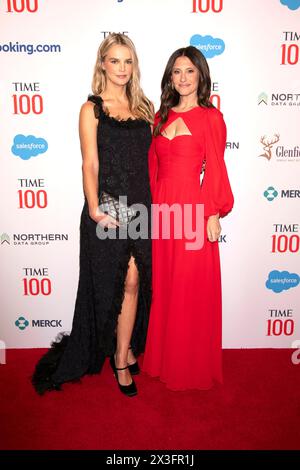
(90, 161)
(90, 164)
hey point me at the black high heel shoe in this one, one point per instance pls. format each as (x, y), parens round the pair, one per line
(134, 368)
(129, 390)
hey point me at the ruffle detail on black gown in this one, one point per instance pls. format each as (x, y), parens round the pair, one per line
(47, 365)
(93, 336)
(128, 123)
(103, 267)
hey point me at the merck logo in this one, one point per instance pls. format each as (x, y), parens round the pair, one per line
(22, 323)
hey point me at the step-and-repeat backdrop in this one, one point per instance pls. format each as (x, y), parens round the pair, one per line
(47, 54)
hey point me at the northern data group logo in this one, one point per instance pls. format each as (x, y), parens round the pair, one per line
(28, 146)
(279, 281)
(279, 99)
(209, 46)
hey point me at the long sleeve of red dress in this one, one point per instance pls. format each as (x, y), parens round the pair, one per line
(215, 190)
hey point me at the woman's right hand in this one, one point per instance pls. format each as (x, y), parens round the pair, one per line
(104, 219)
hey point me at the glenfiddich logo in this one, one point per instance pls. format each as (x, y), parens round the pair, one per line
(268, 145)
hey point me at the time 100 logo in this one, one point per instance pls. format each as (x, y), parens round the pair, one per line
(19, 6)
(204, 6)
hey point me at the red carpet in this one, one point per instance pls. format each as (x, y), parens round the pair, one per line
(258, 407)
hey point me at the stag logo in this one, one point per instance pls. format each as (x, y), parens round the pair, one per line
(267, 146)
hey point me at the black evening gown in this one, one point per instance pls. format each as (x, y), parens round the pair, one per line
(123, 171)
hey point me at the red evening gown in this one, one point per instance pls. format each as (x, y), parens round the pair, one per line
(184, 341)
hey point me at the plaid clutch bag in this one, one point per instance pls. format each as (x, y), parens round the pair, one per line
(116, 209)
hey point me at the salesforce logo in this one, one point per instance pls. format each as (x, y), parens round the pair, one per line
(282, 280)
(291, 4)
(208, 45)
(28, 146)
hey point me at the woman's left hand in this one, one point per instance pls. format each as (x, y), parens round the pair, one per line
(213, 228)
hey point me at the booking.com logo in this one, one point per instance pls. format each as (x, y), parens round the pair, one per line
(291, 4)
(16, 47)
(279, 281)
(208, 45)
(28, 146)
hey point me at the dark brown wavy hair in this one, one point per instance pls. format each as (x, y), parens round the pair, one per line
(170, 97)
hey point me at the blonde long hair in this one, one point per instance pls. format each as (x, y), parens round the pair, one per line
(139, 104)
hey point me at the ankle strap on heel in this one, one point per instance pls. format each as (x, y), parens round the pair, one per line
(121, 368)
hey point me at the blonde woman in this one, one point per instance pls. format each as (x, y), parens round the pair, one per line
(113, 297)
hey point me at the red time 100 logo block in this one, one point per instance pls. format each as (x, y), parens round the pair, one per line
(26, 104)
(280, 327)
(19, 6)
(290, 54)
(34, 286)
(29, 199)
(285, 243)
(203, 6)
(35, 281)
